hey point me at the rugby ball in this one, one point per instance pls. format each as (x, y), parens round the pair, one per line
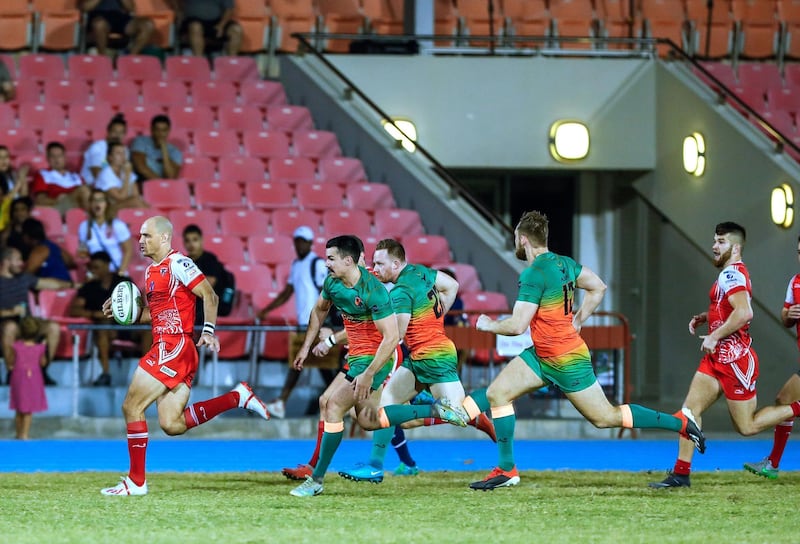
(126, 303)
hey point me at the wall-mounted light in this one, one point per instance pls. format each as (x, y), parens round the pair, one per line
(782, 206)
(407, 126)
(569, 141)
(694, 154)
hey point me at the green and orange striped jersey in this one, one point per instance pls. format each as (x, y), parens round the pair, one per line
(415, 293)
(363, 304)
(550, 281)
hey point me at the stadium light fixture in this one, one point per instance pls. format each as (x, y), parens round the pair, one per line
(569, 141)
(782, 206)
(694, 154)
(407, 126)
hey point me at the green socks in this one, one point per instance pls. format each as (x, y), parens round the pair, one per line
(380, 440)
(504, 427)
(330, 442)
(646, 418)
(400, 413)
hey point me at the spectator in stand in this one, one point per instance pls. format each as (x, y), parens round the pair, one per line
(118, 180)
(46, 259)
(12, 185)
(56, 186)
(14, 286)
(116, 19)
(7, 90)
(94, 159)
(207, 262)
(26, 395)
(12, 236)
(103, 231)
(153, 156)
(205, 21)
(453, 318)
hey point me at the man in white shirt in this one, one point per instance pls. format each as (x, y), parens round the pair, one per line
(56, 186)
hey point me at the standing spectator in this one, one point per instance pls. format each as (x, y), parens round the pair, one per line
(46, 258)
(153, 156)
(56, 186)
(208, 20)
(103, 231)
(12, 236)
(12, 185)
(7, 90)
(14, 286)
(94, 159)
(306, 277)
(116, 18)
(118, 180)
(26, 395)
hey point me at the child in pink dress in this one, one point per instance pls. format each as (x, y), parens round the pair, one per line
(27, 393)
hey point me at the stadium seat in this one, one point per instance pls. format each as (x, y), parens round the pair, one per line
(757, 28)
(384, 17)
(163, 18)
(40, 67)
(187, 69)
(784, 100)
(55, 304)
(262, 94)
(752, 96)
(665, 19)
(318, 196)
(526, 18)
(139, 68)
(207, 220)
(466, 275)
(271, 249)
(253, 18)
(488, 302)
(289, 118)
(474, 17)
(760, 75)
(720, 44)
(192, 118)
(213, 93)
(286, 221)
(16, 30)
(341, 17)
(8, 117)
(315, 144)
(119, 94)
(723, 72)
(228, 249)
(216, 195)
(292, 170)
(66, 91)
(139, 117)
(91, 118)
(164, 93)
(34, 161)
(58, 31)
(369, 196)
(166, 194)
(336, 222)
(90, 67)
(274, 345)
(617, 21)
(251, 278)
(291, 16)
(73, 219)
(180, 138)
(236, 70)
(427, 249)
(341, 170)
(282, 270)
(265, 144)
(789, 16)
(244, 223)
(573, 18)
(779, 120)
(445, 21)
(75, 140)
(28, 90)
(268, 195)
(215, 144)
(241, 170)
(51, 218)
(236, 344)
(19, 141)
(396, 223)
(240, 118)
(196, 168)
(41, 116)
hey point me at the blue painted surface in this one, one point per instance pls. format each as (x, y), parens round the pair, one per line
(197, 455)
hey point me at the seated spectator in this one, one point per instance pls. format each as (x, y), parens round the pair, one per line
(94, 159)
(88, 303)
(207, 262)
(12, 236)
(14, 286)
(153, 156)
(208, 20)
(56, 186)
(12, 185)
(46, 259)
(102, 231)
(115, 19)
(118, 180)
(7, 90)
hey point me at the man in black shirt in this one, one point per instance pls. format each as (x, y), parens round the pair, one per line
(206, 261)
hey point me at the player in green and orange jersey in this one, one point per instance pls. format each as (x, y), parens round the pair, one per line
(558, 356)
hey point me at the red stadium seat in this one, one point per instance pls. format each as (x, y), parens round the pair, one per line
(51, 218)
(41, 67)
(315, 144)
(166, 194)
(369, 196)
(336, 222)
(235, 69)
(289, 118)
(66, 91)
(187, 69)
(164, 93)
(292, 170)
(90, 67)
(139, 68)
(341, 170)
(244, 223)
(240, 118)
(75, 140)
(139, 117)
(262, 94)
(91, 118)
(760, 75)
(426, 249)
(119, 94)
(286, 221)
(784, 99)
(466, 275)
(235, 344)
(228, 249)
(207, 220)
(275, 344)
(398, 223)
(193, 118)
(213, 93)
(8, 117)
(241, 170)
(269, 196)
(41, 116)
(723, 72)
(28, 90)
(134, 217)
(251, 278)
(265, 144)
(781, 121)
(488, 302)
(19, 141)
(271, 250)
(195, 168)
(55, 304)
(73, 219)
(217, 195)
(216, 144)
(32, 161)
(318, 196)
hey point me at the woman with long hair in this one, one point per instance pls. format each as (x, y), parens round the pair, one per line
(103, 231)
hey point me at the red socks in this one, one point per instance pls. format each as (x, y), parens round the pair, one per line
(200, 412)
(430, 421)
(682, 468)
(795, 408)
(137, 448)
(782, 432)
(320, 432)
